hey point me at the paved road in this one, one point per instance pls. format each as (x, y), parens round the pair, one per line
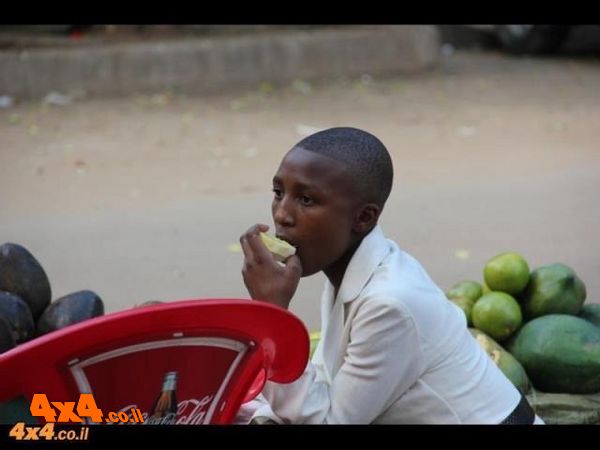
(140, 198)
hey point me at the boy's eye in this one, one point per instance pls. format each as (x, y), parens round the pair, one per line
(306, 201)
(277, 192)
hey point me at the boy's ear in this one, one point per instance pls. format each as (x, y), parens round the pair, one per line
(366, 218)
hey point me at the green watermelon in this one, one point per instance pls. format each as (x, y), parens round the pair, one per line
(560, 352)
(591, 313)
(553, 289)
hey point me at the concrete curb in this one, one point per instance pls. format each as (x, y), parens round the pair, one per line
(207, 65)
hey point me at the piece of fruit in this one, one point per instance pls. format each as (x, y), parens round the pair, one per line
(497, 314)
(506, 362)
(553, 289)
(466, 305)
(507, 272)
(485, 289)
(315, 337)
(591, 313)
(7, 339)
(22, 274)
(468, 289)
(70, 309)
(560, 352)
(18, 315)
(280, 249)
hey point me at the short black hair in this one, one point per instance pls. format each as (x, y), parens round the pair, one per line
(365, 155)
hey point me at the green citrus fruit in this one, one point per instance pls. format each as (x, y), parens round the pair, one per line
(507, 272)
(485, 289)
(497, 314)
(466, 305)
(469, 289)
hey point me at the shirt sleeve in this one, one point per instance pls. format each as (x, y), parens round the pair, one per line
(257, 407)
(382, 360)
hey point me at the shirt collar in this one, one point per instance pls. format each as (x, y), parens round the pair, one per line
(369, 254)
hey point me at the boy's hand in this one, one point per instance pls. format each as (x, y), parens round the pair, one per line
(264, 277)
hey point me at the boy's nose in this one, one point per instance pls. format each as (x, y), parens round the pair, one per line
(282, 214)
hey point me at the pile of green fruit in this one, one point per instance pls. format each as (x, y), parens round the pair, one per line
(534, 325)
(537, 329)
(26, 310)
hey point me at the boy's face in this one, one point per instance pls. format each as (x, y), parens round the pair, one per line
(314, 208)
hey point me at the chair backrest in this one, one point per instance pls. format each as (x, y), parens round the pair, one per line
(218, 352)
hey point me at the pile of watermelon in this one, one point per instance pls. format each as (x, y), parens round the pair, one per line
(26, 309)
(538, 329)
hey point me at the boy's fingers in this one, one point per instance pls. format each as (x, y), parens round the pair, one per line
(293, 266)
(247, 249)
(252, 245)
(256, 229)
(259, 248)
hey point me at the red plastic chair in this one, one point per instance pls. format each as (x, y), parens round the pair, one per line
(222, 350)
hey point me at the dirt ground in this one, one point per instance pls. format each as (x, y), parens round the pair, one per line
(143, 197)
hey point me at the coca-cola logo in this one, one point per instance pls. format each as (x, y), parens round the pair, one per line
(193, 411)
(167, 419)
(189, 412)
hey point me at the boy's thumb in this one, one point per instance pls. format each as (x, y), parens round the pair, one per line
(293, 266)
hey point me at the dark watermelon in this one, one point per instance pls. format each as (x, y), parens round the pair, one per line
(18, 315)
(591, 313)
(560, 353)
(22, 274)
(553, 289)
(7, 340)
(70, 309)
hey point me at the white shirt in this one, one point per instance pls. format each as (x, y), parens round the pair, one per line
(393, 350)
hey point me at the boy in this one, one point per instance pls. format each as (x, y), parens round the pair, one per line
(393, 348)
